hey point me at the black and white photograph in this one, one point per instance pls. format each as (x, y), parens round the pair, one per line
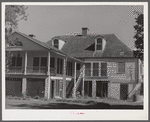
(75, 61)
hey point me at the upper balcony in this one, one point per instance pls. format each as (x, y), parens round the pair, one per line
(40, 63)
(30, 70)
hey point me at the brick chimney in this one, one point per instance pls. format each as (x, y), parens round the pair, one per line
(31, 35)
(84, 31)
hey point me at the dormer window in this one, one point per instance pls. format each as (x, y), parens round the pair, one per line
(99, 44)
(55, 43)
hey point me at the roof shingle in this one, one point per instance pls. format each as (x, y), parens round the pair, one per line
(76, 46)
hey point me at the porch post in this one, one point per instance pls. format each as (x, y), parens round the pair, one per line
(75, 80)
(64, 77)
(48, 79)
(24, 80)
(24, 85)
(47, 88)
(25, 66)
(48, 70)
(83, 81)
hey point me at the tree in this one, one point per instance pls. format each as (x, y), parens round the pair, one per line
(139, 36)
(13, 14)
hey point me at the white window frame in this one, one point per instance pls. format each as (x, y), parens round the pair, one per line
(97, 44)
(55, 44)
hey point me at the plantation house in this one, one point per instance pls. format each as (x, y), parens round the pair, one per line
(86, 65)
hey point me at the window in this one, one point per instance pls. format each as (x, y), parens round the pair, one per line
(52, 62)
(44, 61)
(69, 68)
(95, 69)
(121, 67)
(16, 61)
(99, 44)
(88, 69)
(55, 43)
(59, 66)
(37, 61)
(103, 69)
(78, 66)
(57, 87)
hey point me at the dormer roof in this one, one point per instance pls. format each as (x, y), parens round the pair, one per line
(76, 46)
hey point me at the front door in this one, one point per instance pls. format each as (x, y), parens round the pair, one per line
(52, 89)
(88, 88)
(101, 89)
(123, 91)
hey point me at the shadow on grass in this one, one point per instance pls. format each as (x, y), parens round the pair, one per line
(75, 106)
(63, 106)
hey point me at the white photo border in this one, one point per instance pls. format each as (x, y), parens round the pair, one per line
(22, 114)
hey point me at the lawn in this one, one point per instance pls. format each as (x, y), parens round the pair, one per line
(70, 104)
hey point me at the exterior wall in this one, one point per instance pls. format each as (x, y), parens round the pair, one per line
(35, 87)
(115, 91)
(93, 88)
(14, 86)
(114, 76)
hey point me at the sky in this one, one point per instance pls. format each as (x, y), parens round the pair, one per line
(46, 22)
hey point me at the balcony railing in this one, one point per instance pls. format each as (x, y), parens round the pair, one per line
(30, 70)
(36, 70)
(14, 70)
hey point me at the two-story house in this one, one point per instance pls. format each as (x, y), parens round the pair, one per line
(111, 71)
(38, 69)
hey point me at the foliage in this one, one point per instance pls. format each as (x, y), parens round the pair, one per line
(13, 14)
(139, 28)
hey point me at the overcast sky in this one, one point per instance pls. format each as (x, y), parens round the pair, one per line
(46, 22)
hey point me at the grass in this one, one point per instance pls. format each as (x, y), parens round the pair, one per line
(30, 103)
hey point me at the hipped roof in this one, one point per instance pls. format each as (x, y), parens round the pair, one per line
(76, 46)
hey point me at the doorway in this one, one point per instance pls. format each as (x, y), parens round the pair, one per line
(123, 91)
(101, 89)
(88, 88)
(52, 89)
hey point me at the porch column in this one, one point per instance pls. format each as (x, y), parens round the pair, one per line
(48, 79)
(64, 77)
(24, 86)
(91, 69)
(83, 81)
(47, 87)
(25, 66)
(109, 90)
(93, 88)
(48, 70)
(75, 65)
(24, 80)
